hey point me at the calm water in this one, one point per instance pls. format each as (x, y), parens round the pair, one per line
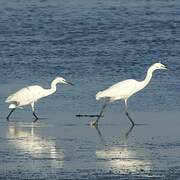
(92, 44)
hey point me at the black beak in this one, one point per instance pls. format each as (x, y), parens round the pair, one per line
(70, 83)
(166, 66)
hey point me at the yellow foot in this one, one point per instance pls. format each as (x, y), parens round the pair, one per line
(94, 124)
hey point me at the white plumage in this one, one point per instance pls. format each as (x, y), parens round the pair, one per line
(125, 89)
(31, 94)
(26, 95)
(118, 91)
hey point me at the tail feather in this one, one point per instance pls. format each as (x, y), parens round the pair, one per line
(8, 99)
(99, 95)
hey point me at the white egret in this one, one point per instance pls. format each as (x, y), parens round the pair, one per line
(125, 89)
(31, 94)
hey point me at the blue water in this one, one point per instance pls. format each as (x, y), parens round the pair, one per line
(93, 44)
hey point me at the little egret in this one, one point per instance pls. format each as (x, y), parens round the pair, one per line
(31, 94)
(125, 89)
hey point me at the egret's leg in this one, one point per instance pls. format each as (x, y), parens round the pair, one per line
(95, 123)
(127, 114)
(10, 114)
(35, 117)
(33, 110)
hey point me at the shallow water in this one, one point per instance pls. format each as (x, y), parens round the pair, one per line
(69, 148)
(93, 44)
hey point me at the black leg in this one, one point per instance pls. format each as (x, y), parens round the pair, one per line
(10, 114)
(95, 123)
(36, 118)
(127, 114)
(129, 117)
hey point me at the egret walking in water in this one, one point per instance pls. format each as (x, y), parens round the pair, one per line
(31, 94)
(125, 89)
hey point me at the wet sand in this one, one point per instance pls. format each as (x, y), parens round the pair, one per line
(62, 146)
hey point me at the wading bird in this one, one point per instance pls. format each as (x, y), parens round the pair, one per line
(125, 89)
(31, 94)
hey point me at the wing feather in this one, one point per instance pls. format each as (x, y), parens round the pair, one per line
(25, 95)
(120, 90)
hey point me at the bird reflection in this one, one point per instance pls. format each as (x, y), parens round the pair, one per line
(129, 132)
(26, 141)
(120, 156)
(102, 139)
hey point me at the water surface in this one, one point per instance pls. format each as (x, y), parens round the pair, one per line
(92, 44)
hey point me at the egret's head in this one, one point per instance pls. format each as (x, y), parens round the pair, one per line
(62, 80)
(159, 65)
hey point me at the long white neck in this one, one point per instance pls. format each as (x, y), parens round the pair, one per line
(148, 77)
(52, 89)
